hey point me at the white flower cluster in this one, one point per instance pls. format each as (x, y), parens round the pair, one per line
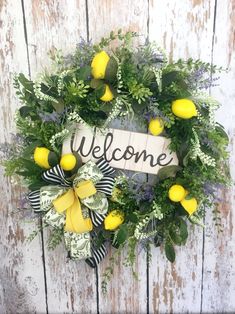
(120, 179)
(27, 120)
(197, 152)
(114, 112)
(212, 117)
(158, 76)
(211, 103)
(60, 84)
(74, 116)
(38, 92)
(156, 213)
(119, 75)
(61, 135)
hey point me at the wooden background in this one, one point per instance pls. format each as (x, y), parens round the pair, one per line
(34, 280)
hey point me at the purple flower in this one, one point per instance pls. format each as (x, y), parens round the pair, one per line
(140, 192)
(50, 117)
(201, 79)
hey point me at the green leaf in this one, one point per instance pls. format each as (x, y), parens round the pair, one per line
(183, 230)
(132, 217)
(58, 106)
(25, 111)
(84, 73)
(30, 165)
(28, 85)
(95, 83)
(100, 90)
(37, 185)
(179, 231)
(122, 234)
(168, 171)
(30, 149)
(111, 70)
(170, 252)
(53, 159)
(169, 78)
(220, 129)
(196, 220)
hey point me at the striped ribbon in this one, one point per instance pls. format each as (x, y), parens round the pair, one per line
(56, 176)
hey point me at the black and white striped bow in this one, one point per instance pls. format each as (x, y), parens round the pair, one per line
(56, 176)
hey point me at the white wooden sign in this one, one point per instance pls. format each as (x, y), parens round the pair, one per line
(122, 149)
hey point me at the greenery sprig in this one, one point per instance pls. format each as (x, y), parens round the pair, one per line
(102, 82)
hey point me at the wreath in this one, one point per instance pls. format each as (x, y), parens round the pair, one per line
(88, 205)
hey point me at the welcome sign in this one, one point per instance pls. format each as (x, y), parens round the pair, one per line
(122, 149)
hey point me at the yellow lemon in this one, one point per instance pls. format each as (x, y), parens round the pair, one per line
(41, 155)
(99, 64)
(184, 108)
(189, 205)
(176, 193)
(68, 162)
(114, 219)
(156, 126)
(108, 95)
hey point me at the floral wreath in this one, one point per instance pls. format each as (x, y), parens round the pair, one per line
(89, 205)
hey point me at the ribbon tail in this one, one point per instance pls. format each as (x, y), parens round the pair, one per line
(75, 218)
(78, 245)
(96, 218)
(34, 200)
(97, 254)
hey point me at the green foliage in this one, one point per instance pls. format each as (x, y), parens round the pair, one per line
(55, 238)
(144, 84)
(169, 251)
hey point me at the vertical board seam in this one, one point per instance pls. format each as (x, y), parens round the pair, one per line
(44, 264)
(204, 236)
(40, 221)
(87, 21)
(147, 177)
(96, 269)
(26, 37)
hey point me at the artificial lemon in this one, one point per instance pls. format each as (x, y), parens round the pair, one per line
(176, 193)
(189, 205)
(68, 162)
(184, 108)
(114, 219)
(108, 95)
(41, 156)
(156, 126)
(99, 64)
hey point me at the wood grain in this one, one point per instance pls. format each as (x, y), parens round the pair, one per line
(127, 295)
(184, 31)
(71, 286)
(219, 251)
(35, 280)
(22, 289)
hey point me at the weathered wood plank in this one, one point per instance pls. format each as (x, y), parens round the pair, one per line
(22, 288)
(184, 31)
(71, 286)
(125, 294)
(219, 258)
(53, 24)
